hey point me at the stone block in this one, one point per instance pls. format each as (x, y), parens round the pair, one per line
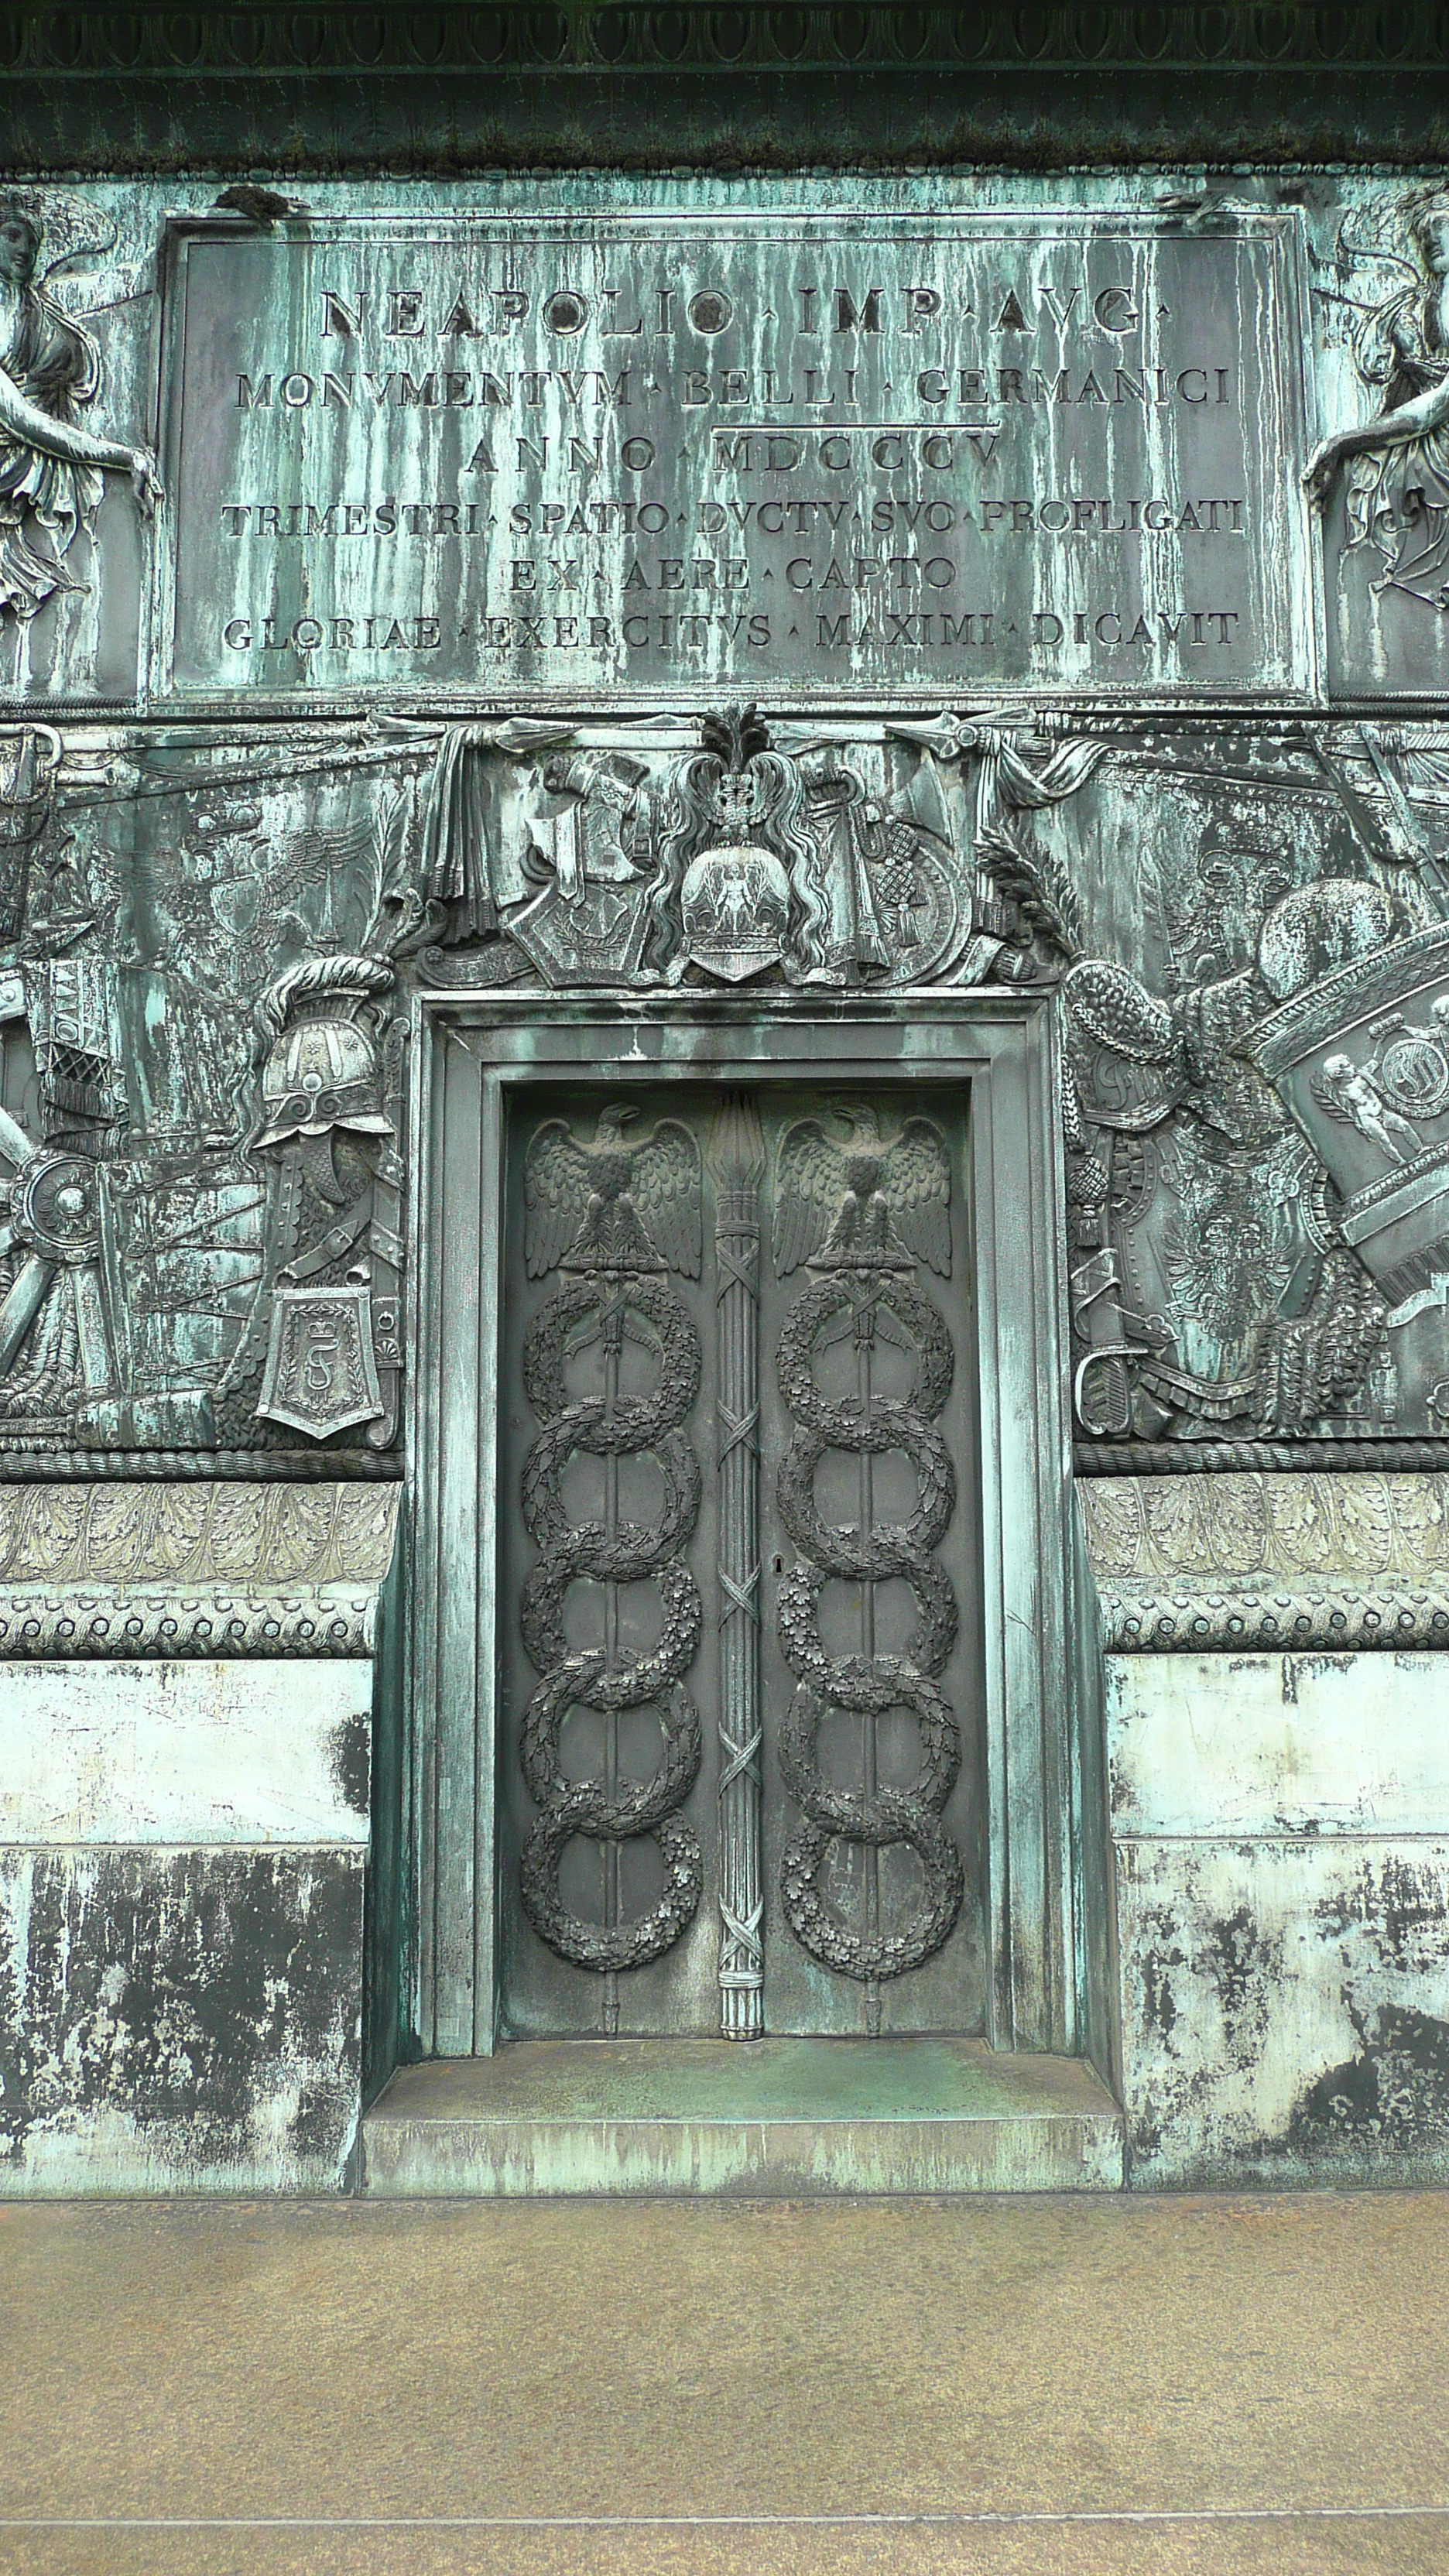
(178, 2020)
(1281, 1826)
(182, 1849)
(1253, 1745)
(1285, 2010)
(185, 1753)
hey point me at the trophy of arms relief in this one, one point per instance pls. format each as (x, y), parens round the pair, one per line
(822, 857)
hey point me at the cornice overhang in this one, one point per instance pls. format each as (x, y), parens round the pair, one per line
(335, 88)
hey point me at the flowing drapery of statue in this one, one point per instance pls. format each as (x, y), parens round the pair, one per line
(1397, 465)
(52, 468)
(737, 1162)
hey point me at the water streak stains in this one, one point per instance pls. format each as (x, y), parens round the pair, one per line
(173, 2018)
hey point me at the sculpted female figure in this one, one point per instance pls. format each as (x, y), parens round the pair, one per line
(1398, 465)
(52, 470)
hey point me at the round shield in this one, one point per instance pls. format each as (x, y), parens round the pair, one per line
(53, 1207)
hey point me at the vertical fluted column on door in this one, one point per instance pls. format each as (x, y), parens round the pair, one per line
(737, 1163)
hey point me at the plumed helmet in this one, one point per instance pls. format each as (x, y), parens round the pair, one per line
(319, 1075)
(322, 1069)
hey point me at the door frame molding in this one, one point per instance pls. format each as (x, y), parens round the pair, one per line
(469, 1050)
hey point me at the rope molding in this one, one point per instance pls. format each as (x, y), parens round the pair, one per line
(1195, 1457)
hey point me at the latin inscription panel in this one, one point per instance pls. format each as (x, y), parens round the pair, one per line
(899, 455)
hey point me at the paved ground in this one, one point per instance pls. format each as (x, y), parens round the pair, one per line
(1196, 2387)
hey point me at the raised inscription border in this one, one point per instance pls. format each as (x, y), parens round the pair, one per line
(675, 647)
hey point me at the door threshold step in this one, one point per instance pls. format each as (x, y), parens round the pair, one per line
(765, 2118)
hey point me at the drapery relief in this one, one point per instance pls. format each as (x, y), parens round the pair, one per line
(1254, 1118)
(74, 324)
(1381, 475)
(212, 944)
(1248, 930)
(203, 1099)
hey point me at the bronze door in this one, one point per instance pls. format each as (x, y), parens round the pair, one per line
(741, 1756)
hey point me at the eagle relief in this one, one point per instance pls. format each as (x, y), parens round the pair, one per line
(867, 1202)
(612, 1205)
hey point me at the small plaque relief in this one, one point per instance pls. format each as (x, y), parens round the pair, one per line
(320, 1376)
(638, 453)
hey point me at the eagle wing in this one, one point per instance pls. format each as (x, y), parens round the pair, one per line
(809, 1186)
(556, 1188)
(664, 1184)
(916, 1184)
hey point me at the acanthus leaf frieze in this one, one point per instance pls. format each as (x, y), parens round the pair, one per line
(1287, 1562)
(127, 1570)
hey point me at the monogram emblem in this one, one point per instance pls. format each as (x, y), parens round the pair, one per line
(321, 1376)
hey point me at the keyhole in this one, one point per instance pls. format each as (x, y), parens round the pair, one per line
(779, 1565)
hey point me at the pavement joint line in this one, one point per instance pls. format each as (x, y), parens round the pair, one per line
(1149, 2514)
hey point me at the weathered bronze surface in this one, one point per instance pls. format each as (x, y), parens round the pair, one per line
(714, 868)
(630, 1888)
(576, 1430)
(219, 938)
(850, 453)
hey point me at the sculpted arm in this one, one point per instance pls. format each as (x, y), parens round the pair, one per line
(73, 446)
(1413, 419)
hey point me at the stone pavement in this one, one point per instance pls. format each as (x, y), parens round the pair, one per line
(1029, 2387)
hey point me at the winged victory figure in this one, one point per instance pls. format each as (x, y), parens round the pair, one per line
(614, 1204)
(866, 1203)
(1397, 465)
(51, 466)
